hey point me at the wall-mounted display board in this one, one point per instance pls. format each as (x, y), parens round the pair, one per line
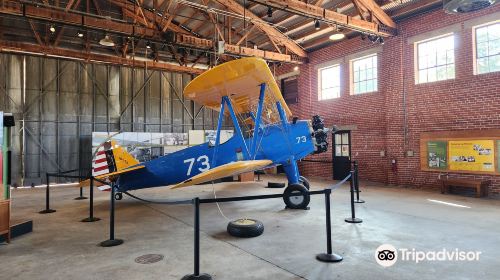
(465, 151)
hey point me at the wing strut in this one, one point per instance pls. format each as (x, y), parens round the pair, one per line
(226, 102)
(219, 127)
(236, 124)
(258, 118)
(282, 113)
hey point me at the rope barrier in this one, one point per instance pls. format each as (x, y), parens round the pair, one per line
(226, 199)
(336, 186)
(154, 201)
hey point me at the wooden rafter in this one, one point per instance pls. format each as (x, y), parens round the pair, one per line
(309, 10)
(95, 57)
(88, 22)
(37, 36)
(58, 37)
(374, 9)
(246, 35)
(139, 10)
(170, 18)
(165, 12)
(272, 32)
(282, 19)
(148, 14)
(192, 15)
(214, 21)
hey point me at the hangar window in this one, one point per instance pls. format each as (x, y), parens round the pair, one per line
(487, 48)
(364, 74)
(329, 82)
(436, 59)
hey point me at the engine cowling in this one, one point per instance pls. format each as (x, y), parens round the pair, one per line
(320, 135)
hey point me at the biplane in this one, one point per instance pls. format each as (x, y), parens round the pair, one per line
(265, 135)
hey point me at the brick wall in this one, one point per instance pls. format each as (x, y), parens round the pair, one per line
(467, 102)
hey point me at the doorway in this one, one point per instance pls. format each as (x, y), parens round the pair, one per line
(341, 155)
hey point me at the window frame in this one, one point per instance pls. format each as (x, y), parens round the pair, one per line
(351, 73)
(474, 46)
(320, 88)
(416, 58)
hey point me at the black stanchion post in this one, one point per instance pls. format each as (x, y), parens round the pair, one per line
(91, 217)
(81, 195)
(197, 275)
(356, 183)
(329, 256)
(353, 218)
(112, 241)
(47, 209)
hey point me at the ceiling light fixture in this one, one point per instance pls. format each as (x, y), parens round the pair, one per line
(79, 34)
(269, 12)
(296, 68)
(106, 41)
(52, 28)
(148, 44)
(337, 36)
(316, 25)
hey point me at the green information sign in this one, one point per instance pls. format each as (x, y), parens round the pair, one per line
(436, 154)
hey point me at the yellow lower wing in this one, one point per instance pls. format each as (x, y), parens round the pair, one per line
(225, 170)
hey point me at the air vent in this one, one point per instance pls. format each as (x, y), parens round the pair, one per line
(466, 6)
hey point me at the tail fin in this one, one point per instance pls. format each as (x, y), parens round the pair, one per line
(110, 158)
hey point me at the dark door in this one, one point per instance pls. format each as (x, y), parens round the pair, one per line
(341, 154)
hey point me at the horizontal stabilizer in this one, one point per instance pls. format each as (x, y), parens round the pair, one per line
(226, 170)
(86, 183)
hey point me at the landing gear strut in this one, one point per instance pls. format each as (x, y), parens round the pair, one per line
(304, 182)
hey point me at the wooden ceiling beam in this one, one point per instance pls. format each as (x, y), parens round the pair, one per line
(308, 10)
(149, 15)
(342, 7)
(95, 57)
(35, 33)
(272, 32)
(246, 35)
(375, 10)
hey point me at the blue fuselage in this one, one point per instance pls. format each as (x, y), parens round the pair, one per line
(273, 143)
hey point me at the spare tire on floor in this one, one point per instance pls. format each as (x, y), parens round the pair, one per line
(245, 228)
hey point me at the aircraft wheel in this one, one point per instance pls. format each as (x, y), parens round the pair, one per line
(118, 196)
(245, 228)
(296, 196)
(304, 181)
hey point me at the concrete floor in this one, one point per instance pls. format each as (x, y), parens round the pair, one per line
(61, 247)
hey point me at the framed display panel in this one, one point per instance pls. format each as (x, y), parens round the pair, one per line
(466, 151)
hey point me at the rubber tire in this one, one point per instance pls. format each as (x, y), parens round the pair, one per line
(304, 182)
(293, 190)
(118, 196)
(238, 229)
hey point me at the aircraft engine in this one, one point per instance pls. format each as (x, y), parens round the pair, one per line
(320, 135)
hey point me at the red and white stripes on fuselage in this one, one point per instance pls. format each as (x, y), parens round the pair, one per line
(100, 163)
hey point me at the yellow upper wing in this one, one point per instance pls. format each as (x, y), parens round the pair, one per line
(240, 80)
(229, 169)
